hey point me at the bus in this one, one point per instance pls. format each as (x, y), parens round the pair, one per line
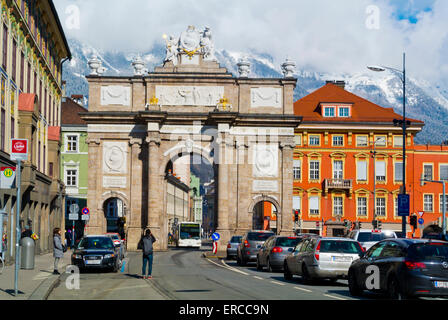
(188, 234)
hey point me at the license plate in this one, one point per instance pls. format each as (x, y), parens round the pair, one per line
(440, 284)
(93, 261)
(342, 259)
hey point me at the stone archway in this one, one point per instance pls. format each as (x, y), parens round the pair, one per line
(114, 207)
(263, 218)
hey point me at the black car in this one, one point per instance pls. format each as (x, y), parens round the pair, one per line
(436, 236)
(96, 252)
(403, 268)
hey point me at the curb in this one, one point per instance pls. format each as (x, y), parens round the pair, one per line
(212, 256)
(46, 287)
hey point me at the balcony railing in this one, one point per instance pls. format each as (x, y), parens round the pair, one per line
(345, 184)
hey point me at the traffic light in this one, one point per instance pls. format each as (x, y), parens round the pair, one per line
(375, 224)
(413, 221)
(296, 215)
(379, 224)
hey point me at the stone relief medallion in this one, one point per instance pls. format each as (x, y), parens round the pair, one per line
(265, 161)
(115, 95)
(114, 157)
(190, 39)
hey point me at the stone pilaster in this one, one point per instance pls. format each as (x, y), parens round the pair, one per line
(134, 220)
(95, 224)
(286, 222)
(223, 189)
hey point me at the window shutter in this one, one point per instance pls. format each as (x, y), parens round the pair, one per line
(296, 203)
(314, 203)
(444, 172)
(380, 168)
(399, 171)
(362, 170)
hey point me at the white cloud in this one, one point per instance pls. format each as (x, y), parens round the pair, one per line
(324, 35)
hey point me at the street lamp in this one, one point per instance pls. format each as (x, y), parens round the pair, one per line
(397, 122)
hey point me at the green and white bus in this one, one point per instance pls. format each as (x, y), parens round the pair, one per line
(188, 234)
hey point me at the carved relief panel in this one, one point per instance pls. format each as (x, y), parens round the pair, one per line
(266, 97)
(115, 95)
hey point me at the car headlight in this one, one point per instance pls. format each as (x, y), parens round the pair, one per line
(108, 256)
(77, 256)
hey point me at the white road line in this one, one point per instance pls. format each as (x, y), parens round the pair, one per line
(227, 267)
(259, 278)
(279, 283)
(333, 297)
(306, 290)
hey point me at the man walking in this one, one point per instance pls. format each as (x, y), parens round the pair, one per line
(148, 241)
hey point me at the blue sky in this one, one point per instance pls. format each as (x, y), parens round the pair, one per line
(410, 9)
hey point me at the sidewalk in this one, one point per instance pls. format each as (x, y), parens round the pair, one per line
(33, 284)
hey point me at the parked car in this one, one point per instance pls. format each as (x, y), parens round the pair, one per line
(96, 251)
(250, 244)
(407, 268)
(118, 243)
(273, 252)
(368, 238)
(322, 258)
(232, 247)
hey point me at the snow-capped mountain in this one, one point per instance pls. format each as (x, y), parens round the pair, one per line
(425, 101)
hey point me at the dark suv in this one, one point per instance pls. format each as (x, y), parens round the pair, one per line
(250, 244)
(405, 268)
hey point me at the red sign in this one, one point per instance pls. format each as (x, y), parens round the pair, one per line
(215, 247)
(19, 149)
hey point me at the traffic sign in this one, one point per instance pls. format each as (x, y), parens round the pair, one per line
(73, 216)
(74, 208)
(216, 236)
(215, 247)
(85, 217)
(403, 205)
(7, 177)
(19, 149)
(85, 210)
(421, 221)
(421, 213)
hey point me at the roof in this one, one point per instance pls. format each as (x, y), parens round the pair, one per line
(54, 133)
(309, 107)
(27, 101)
(70, 113)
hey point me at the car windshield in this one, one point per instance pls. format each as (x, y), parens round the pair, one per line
(428, 251)
(373, 236)
(259, 236)
(96, 243)
(336, 246)
(287, 242)
(236, 239)
(115, 237)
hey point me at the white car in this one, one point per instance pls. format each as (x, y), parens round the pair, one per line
(368, 238)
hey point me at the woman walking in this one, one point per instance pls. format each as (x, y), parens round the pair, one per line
(58, 251)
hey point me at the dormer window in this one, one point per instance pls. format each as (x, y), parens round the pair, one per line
(329, 112)
(344, 112)
(336, 111)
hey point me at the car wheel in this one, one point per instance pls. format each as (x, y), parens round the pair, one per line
(286, 273)
(353, 287)
(259, 266)
(269, 266)
(394, 290)
(243, 262)
(306, 275)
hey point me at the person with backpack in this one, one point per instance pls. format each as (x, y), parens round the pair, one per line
(147, 248)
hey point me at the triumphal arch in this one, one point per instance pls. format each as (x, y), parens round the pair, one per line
(137, 124)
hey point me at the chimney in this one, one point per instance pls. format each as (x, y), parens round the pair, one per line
(78, 98)
(339, 83)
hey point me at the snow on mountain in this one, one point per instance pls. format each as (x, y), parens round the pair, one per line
(425, 101)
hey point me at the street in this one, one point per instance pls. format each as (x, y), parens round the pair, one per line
(183, 274)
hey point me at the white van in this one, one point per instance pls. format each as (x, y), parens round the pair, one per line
(368, 237)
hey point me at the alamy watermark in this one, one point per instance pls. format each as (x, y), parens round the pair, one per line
(373, 21)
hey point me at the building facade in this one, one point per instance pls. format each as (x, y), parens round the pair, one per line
(196, 199)
(348, 164)
(33, 48)
(74, 169)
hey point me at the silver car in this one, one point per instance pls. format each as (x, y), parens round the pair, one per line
(250, 244)
(232, 247)
(322, 258)
(367, 238)
(274, 251)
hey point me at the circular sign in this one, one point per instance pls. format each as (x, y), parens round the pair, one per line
(19, 146)
(216, 236)
(421, 221)
(85, 211)
(8, 172)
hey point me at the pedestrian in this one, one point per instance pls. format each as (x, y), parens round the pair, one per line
(58, 250)
(147, 247)
(26, 233)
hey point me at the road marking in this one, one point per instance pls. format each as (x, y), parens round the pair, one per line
(333, 297)
(306, 290)
(279, 283)
(259, 278)
(227, 267)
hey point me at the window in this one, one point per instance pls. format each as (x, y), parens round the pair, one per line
(5, 47)
(380, 141)
(14, 60)
(428, 203)
(72, 143)
(297, 169)
(298, 139)
(3, 123)
(329, 112)
(296, 203)
(338, 169)
(362, 141)
(344, 112)
(361, 170)
(362, 206)
(22, 70)
(381, 207)
(398, 141)
(314, 140)
(314, 170)
(380, 170)
(443, 172)
(314, 205)
(338, 141)
(50, 169)
(338, 206)
(71, 177)
(427, 171)
(396, 206)
(398, 171)
(441, 203)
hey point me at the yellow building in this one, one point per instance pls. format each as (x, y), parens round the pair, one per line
(33, 50)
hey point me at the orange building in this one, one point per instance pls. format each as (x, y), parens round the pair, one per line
(348, 164)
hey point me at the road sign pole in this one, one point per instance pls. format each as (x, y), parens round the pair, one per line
(73, 234)
(18, 207)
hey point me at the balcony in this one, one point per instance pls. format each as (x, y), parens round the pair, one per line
(338, 184)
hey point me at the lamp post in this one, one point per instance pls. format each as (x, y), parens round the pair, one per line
(398, 122)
